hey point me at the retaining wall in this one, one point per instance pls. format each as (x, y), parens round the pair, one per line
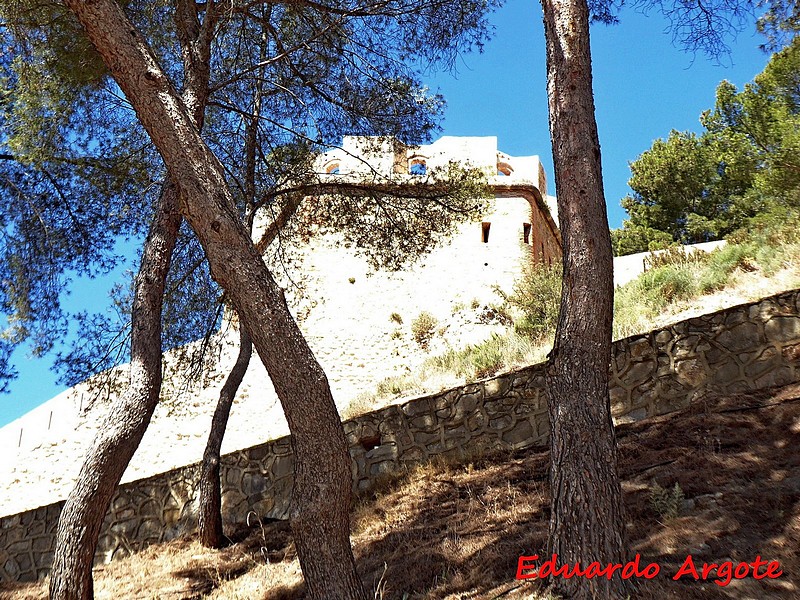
(747, 347)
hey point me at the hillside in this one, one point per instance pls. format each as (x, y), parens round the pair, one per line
(451, 543)
(44, 449)
(456, 532)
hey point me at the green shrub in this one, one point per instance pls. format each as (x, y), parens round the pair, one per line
(487, 358)
(667, 284)
(639, 301)
(723, 261)
(667, 503)
(394, 386)
(423, 328)
(536, 297)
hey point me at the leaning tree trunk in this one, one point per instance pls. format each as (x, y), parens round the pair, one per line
(123, 428)
(209, 520)
(121, 432)
(587, 522)
(322, 478)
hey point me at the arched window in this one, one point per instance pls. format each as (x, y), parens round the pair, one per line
(503, 168)
(417, 165)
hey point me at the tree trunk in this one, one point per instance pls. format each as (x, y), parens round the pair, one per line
(209, 520)
(119, 435)
(122, 431)
(322, 476)
(587, 522)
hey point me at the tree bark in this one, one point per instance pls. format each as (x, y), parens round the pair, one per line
(322, 476)
(210, 505)
(122, 430)
(209, 522)
(587, 522)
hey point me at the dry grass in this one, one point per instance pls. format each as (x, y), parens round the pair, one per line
(455, 532)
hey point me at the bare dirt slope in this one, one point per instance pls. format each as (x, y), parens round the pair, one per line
(447, 531)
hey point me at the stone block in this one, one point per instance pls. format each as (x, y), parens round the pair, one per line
(413, 454)
(150, 530)
(725, 373)
(497, 387)
(19, 547)
(126, 513)
(639, 372)
(258, 453)
(791, 354)
(476, 422)
(521, 434)
(684, 346)
(124, 528)
(631, 417)
(382, 452)
(423, 422)
(735, 316)
(444, 400)
(492, 407)
(44, 559)
(524, 408)
(501, 422)
(11, 568)
(392, 424)
(456, 432)
(426, 437)
(253, 483)
(783, 329)
(25, 518)
(120, 501)
(282, 447)
(417, 407)
(444, 413)
(263, 506)
(15, 535)
(663, 337)
(282, 467)
(465, 405)
(620, 362)
(382, 468)
(739, 337)
(25, 563)
(170, 516)
(640, 349)
(780, 376)
(691, 371)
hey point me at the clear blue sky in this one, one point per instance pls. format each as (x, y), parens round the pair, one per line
(644, 86)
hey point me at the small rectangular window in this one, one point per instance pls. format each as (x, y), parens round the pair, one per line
(526, 233)
(485, 232)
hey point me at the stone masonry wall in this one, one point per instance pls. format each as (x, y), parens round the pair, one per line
(747, 347)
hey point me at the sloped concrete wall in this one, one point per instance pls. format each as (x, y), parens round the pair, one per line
(747, 347)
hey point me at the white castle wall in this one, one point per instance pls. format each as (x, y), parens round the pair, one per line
(349, 326)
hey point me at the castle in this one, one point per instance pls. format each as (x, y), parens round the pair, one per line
(356, 320)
